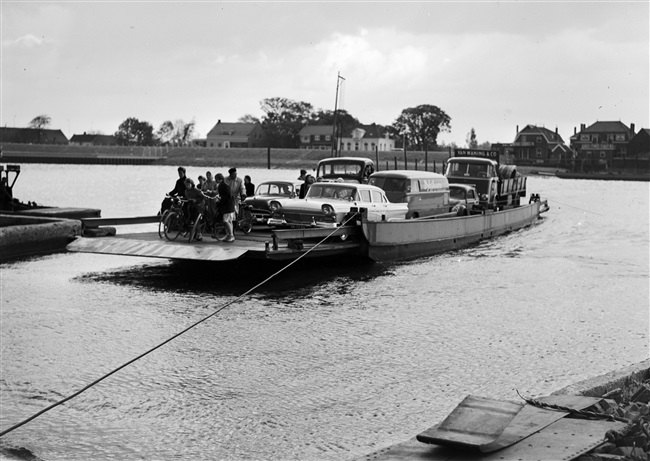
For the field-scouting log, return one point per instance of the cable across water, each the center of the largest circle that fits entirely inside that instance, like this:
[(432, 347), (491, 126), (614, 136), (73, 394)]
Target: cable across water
[(219, 309)]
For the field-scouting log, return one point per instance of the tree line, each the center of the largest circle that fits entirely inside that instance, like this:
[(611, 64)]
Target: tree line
[(416, 127)]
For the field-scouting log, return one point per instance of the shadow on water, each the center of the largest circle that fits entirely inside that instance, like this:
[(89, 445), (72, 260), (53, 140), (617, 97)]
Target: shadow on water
[(205, 277)]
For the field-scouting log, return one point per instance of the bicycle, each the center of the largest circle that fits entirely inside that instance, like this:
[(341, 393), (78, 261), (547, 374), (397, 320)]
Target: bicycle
[(208, 222), (175, 222), (244, 219)]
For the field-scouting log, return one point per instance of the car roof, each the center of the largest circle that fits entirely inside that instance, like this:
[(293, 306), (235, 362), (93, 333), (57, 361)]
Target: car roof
[(346, 160), (474, 160), (348, 185), (280, 181), (461, 186), (407, 174)]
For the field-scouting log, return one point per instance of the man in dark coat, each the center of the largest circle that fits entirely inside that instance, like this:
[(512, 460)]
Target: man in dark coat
[(226, 207)]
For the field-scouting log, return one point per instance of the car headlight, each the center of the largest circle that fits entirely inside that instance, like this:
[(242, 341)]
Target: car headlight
[(274, 206), (327, 210)]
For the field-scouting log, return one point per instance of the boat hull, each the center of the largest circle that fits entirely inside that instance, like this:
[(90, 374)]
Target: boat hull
[(404, 239)]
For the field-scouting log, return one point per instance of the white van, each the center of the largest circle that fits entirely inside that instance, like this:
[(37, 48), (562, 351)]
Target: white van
[(426, 193)]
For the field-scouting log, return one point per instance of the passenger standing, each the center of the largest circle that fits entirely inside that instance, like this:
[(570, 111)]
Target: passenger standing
[(201, 184), (210, 189), (303, 175), (304, 187), (250, 187), (226, 207), (178, 191), (210, 183), (237, 189), (179, 188)]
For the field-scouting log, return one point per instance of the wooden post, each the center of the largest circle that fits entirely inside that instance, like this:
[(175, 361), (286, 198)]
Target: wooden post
[(377, 157), (426, 158), (395, 162), (268, 158)]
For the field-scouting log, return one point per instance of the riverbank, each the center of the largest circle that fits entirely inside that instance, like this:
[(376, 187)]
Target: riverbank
[(627, 391)]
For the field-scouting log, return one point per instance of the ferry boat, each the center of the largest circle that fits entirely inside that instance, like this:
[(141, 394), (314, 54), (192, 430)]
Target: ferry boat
[(362, 233)]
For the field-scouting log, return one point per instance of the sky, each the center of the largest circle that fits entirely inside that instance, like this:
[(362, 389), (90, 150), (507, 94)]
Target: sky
[(491, 66)]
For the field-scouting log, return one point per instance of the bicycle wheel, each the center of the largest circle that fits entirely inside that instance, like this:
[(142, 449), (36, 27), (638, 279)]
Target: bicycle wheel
[(173, 226), (198, 228), (161, 227), (245, 222), (219, 232)]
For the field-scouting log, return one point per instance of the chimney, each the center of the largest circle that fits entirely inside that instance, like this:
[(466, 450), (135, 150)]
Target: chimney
[(575, 130), (632, 128), (218, 121), (517, 130), (555, 131), (582, 127)]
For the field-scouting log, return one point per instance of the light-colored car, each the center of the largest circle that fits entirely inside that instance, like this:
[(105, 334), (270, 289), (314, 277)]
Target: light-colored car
[(326, 205), (267, 192)]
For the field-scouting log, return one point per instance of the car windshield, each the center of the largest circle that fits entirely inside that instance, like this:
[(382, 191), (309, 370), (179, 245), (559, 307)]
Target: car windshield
[(333, 169), (272, 188), (330, 191), (456, 193)]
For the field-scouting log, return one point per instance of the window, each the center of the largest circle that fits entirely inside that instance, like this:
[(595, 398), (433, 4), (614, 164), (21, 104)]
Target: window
[(328, 138), (620, 137), (584, 137), (376, 196), (539, 139), (305, 139), (365, 195), (316, 137), (538, 153), (603, 154)]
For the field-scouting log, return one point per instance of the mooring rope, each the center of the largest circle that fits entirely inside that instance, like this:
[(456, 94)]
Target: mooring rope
[(222, 307), (574, 207)]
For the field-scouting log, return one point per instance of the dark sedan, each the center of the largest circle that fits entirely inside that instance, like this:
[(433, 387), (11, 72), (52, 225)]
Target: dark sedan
[(268, 191)]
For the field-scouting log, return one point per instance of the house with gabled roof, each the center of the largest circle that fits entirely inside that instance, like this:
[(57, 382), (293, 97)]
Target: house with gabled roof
[(639, 146), (538, 144), (93, 140), (601, 142), (367, 138), (230, 135), (319, 137), (32, 136)]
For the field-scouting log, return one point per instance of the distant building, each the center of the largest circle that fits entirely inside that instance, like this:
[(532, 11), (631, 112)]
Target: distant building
[(319, 137), (639, 146), (601, 142), (231, 135), (93, 140), (538, 145), (366, 138), (32, 136)]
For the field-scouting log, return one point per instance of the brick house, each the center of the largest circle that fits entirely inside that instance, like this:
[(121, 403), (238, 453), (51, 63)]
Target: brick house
[(537, 145), (93, 140), (317, 137), (32, 136), (601, 142), (231, 135), (639, 146)]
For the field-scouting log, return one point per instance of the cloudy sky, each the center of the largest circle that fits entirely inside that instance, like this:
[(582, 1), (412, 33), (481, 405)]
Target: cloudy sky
[(489, 65)]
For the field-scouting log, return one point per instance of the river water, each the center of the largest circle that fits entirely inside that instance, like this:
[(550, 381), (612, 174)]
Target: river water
[(321, 363)]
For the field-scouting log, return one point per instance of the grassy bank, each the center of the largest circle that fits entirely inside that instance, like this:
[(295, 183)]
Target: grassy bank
[(294, 158)]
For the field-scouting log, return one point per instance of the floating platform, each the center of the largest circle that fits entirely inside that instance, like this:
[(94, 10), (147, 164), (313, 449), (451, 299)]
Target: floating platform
[(260, 245)]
